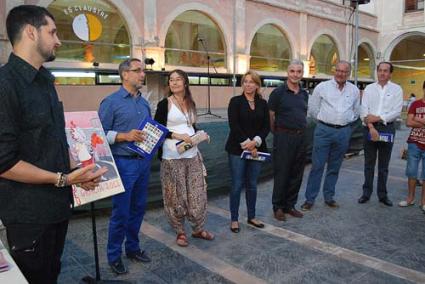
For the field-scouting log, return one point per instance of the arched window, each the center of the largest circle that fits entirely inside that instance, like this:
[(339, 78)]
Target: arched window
[(408, 58), (366, 62), (270, 50), (188, 38), (323, 56), (90, 31)]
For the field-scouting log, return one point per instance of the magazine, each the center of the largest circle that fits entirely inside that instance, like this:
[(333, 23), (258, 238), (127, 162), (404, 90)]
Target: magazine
[(88, 145), (4, 265), (155, 135), (261, 156), (383, 137), (196, 138)]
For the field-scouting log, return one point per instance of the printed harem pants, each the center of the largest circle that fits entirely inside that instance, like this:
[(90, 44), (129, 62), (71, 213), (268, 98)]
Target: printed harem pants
[(184, 192)]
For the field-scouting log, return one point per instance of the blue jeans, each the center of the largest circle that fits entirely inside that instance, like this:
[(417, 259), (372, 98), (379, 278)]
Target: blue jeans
[(244, 176), (128, 208), (329, 147), (415, 155)]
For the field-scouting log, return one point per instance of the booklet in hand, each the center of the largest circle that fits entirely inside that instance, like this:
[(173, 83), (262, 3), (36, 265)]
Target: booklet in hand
[(383, 137), (155, 135), (261, 156), (196, 138)]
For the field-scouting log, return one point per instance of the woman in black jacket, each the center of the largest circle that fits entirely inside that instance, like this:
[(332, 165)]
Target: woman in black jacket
[(249, 126)]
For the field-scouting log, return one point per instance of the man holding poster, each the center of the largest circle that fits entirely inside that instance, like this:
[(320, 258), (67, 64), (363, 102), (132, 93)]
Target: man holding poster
[(121, 113), (35, 174)]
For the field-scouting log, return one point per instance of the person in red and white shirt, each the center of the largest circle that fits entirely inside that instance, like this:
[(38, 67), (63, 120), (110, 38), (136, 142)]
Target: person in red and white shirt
[(415, 151)]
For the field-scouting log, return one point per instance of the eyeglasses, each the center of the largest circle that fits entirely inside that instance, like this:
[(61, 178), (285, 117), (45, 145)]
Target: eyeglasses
[(137, 70)]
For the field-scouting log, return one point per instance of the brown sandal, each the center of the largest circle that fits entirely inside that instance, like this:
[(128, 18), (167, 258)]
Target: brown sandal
[(182, 240), (205, 235)]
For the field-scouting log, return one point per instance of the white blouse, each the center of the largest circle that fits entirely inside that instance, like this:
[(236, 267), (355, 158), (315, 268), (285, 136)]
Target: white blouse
[(177, 122)]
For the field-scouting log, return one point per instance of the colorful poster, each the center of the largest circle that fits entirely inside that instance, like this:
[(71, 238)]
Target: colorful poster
[(88, 145)]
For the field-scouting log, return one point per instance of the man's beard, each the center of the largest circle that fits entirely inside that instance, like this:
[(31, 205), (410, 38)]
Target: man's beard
[(48, 55)]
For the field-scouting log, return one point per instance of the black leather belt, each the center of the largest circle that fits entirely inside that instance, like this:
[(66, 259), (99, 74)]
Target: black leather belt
[(334, 125), (128, 157)]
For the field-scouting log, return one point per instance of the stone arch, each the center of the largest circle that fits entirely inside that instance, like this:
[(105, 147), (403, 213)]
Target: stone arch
[(281, 26), (372, 51), (397, 40), (208, 11)]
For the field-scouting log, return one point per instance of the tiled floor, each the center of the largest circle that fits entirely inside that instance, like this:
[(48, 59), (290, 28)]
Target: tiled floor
[(368, 243)]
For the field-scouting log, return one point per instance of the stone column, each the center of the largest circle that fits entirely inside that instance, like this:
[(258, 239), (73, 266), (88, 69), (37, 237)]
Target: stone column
[(239, 47), (150, 41)]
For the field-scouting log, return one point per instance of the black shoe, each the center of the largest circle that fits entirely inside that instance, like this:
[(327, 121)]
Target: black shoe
[(332, 204), (235, 229), (139, 256), (118, 267), (386, 201), (257, 223), (363, 199)]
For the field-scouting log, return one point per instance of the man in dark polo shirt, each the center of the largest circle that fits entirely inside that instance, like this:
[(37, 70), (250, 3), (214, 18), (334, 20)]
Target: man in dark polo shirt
[(288, 111), (35, 192)]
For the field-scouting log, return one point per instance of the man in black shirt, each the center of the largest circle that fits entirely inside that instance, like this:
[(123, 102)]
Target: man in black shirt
[(35, 192), (288, 112)]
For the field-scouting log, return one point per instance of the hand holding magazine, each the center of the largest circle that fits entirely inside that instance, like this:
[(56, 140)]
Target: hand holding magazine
[(261, 156), (196, 138)]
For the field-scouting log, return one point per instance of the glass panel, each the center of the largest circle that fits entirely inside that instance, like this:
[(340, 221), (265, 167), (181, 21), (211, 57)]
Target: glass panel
[(189, 35), (108, 79), (414, 5), (193, 80), (410, 5), (74, 78), (366, 62), (270, 50), (90, 31), (203, 80), (220, 81), (272, 82), (323, 56)]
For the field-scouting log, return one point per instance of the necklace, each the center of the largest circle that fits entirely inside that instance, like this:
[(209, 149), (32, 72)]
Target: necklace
[(250, 100), (251, 103), (186, 116)]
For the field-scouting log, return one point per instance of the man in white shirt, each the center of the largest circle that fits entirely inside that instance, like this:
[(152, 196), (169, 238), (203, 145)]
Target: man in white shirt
[(381, 105), (335, 106)]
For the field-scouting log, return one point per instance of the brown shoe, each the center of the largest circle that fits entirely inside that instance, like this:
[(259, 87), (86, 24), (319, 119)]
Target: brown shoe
[(332, 204), (279, 215), (306, 206), (295, 213)]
